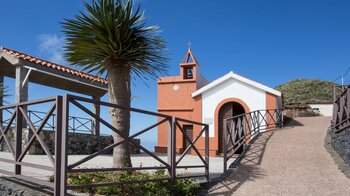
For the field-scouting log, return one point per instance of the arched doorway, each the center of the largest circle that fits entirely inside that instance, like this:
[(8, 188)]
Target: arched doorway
[(228, 110)]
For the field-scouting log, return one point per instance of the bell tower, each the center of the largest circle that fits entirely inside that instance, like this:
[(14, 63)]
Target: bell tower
[(189, 67), (175, 99)]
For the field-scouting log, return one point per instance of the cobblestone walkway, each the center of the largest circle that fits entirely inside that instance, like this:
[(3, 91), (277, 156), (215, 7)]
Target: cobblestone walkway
[(292, 161)]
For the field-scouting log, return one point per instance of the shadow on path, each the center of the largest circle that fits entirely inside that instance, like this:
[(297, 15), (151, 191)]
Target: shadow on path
[(292, 122), (244, 168)]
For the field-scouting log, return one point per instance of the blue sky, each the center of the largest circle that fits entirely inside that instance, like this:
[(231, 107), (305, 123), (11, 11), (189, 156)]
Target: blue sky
[(270, 41)]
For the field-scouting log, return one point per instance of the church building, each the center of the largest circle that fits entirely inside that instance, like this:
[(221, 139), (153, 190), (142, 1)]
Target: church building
[(191, 96)]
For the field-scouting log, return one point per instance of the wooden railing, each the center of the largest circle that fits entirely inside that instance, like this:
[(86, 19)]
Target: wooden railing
[(18, 120), (76, 124), (341, 107), (60, 106), (240, 130)]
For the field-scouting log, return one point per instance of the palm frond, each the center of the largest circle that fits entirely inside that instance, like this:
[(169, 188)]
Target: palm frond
[(113, 33)]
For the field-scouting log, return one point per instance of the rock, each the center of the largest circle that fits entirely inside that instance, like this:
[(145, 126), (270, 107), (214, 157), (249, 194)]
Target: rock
[(341, 143), (9, 191)]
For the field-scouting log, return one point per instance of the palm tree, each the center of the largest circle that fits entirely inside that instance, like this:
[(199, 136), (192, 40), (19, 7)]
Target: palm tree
[(112, 38)]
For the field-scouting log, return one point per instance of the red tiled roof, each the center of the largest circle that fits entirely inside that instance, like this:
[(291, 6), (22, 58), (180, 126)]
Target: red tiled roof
[(52, 65)]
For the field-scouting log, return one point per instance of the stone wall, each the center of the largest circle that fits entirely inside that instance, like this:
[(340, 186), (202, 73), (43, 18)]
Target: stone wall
[(341, 143), (78, 143), (299, 112), (11, 135)]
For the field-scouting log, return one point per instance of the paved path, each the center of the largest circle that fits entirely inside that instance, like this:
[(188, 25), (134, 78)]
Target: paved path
[(292, 161)]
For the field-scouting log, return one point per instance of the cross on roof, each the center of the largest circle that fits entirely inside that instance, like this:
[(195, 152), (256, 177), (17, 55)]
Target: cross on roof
[(189, 58)]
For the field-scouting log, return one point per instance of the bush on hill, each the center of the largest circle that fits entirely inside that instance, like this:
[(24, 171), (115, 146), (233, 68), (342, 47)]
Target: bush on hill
[(298, 92)]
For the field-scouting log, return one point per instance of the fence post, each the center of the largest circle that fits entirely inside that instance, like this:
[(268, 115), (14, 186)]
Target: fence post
[(18, 141), (207, 151), (244, 124), (73, 119), (62, 108), (1, 98), (58, 146), (53, 121), (225, 145), (334, 92), (282, 121), (258, 121), (172, 149)]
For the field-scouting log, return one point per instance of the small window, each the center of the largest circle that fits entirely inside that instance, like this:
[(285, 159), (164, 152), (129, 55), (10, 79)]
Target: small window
[(188, 73)]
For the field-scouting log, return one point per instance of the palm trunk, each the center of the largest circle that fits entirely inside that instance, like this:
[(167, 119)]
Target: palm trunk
[(120, 93)]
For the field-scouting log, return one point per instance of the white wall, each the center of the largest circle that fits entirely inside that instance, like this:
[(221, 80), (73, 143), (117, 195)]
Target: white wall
[(231, 88), (325, 109)]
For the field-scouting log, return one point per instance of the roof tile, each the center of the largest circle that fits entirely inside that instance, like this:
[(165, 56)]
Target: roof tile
[(55, 66)]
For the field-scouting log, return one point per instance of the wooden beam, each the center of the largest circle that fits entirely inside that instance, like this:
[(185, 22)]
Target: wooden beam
[(21, 88), (97, 112)]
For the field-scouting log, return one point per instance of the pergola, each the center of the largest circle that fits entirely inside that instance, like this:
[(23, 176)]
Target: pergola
[(25, 68)]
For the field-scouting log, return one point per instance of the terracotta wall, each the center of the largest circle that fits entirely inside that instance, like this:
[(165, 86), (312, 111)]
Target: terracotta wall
[(178, 103), (271, 103)]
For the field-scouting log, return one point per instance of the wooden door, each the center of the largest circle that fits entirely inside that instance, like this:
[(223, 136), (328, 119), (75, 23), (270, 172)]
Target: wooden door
[(188, 129), (228, 110), (224, 113)]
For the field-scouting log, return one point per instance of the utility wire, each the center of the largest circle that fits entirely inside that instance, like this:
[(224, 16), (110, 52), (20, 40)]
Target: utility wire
[(343, 75), (347, 71), (337, 79)]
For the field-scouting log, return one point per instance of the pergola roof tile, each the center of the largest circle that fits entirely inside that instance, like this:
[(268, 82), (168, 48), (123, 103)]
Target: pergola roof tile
[(52, 65)]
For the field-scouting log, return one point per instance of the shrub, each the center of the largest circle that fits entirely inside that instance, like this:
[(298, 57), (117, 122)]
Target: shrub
[(299, 92), (181, 186)]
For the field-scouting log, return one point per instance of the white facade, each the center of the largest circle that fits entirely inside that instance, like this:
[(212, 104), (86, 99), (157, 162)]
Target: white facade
[(324, 109), (253, 97), (232, 85)]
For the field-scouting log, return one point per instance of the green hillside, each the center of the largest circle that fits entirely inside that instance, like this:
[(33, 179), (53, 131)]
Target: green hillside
[(300, 91)]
